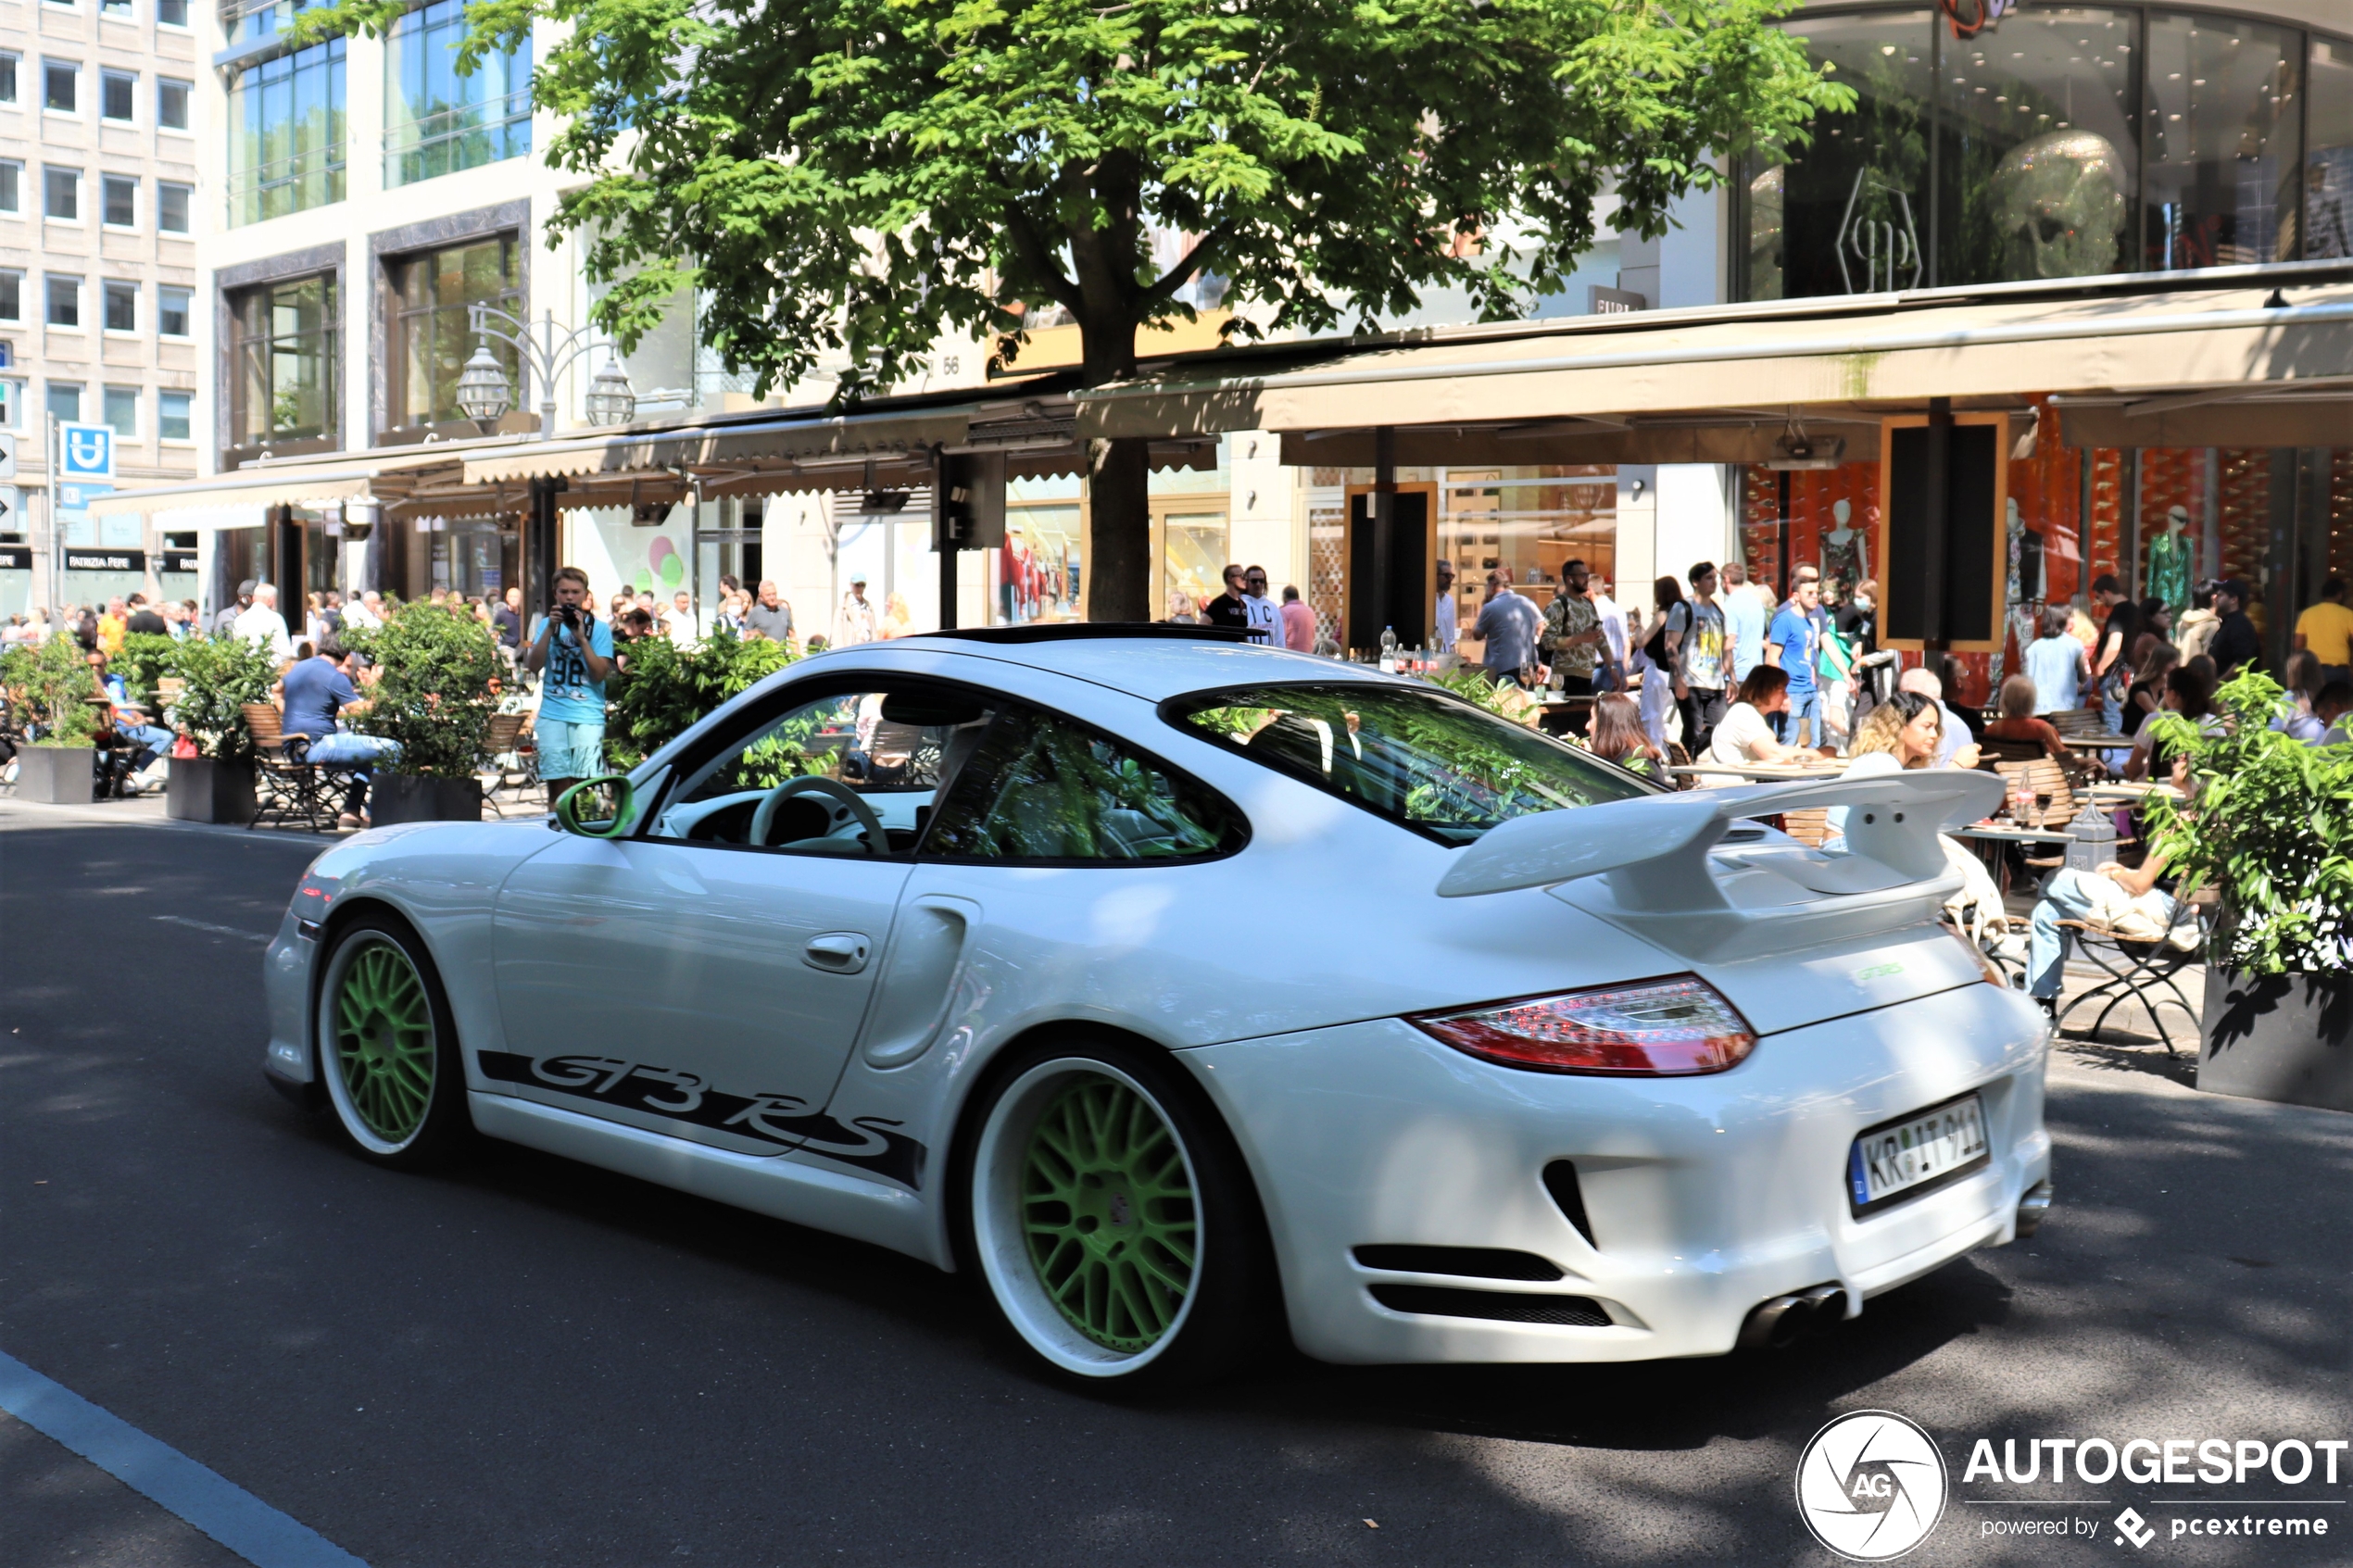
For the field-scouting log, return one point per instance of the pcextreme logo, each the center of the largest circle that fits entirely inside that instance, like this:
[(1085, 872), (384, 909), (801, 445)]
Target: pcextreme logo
[(1871, 1486)]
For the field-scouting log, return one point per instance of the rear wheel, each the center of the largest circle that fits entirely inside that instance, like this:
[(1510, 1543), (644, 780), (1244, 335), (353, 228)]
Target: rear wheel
[(387, 1050), (1111, 1217)]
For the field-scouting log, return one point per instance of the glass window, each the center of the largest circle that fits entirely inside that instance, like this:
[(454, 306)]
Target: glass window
[(171, 13), (1423, 760), (65, 300), (8, 77), (287, 134), (171, 415), (11, 403), (1849, 213), (171, 207), (433, 294), (171, 104), (173, 312), (2328, 162), (1041, 787), (2038, 156), (60, 86), (122, 307), (116, 89), (891, 749), (119, 198), (11, 297), (285, 362), (62, 194), (119, 9), (122, 411), (65, 401), (437, 122), (11, 180), (2223, 142)]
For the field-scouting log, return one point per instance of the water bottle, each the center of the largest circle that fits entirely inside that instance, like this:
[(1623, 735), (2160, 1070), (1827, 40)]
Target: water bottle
[(1388, 650)]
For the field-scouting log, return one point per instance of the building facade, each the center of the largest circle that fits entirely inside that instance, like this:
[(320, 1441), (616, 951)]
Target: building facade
[(99, 147)]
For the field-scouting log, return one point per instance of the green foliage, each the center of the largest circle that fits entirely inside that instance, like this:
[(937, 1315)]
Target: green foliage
[(53, 684), (432, 692), (145, 658), (847, 177), (2270, 826), (665, 689), (222, 673)]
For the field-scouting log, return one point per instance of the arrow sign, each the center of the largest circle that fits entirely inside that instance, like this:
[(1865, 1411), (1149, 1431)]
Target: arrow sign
[(8, 457), (11, 507)]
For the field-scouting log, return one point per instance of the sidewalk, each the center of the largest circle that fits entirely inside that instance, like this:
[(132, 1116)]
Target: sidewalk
[(145, 812)]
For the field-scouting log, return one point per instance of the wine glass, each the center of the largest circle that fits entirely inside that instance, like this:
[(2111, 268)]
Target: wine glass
[(2042, 808)]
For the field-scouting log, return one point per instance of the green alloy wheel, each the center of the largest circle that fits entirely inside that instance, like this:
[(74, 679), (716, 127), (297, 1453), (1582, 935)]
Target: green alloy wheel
[(385, 1040), (386, 1050), (1108, 1206)]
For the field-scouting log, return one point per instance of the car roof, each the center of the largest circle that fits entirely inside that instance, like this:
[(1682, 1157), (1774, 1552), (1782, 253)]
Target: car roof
[(1154, 665)]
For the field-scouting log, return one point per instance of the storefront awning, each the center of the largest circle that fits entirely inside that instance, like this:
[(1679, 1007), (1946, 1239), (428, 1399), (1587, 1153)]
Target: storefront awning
[(785, 442), (385, 476), (1709, 385)]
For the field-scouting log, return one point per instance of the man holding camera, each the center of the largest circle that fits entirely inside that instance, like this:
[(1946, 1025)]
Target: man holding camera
[(576, 649)]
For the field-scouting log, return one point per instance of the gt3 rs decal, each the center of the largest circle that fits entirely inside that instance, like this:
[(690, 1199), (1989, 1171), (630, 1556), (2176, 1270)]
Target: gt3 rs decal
[(869, 1143)]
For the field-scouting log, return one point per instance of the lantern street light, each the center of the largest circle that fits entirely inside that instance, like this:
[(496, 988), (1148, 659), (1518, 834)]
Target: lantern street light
[(483, 392)]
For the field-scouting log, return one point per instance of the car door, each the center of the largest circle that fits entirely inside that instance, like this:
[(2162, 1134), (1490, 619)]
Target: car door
[(691, 980)]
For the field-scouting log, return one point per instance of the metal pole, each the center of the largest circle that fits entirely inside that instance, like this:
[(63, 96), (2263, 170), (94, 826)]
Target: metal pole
[(1384, 529), (943, 534), (546, 375)]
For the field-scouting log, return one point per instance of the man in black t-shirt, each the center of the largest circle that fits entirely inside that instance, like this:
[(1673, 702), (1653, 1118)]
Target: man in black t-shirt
[(2111, 673), (143, 618), (1226, 608), (2235, 643)]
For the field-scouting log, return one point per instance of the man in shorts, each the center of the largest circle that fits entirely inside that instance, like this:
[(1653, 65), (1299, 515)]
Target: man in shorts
[(576, 649)]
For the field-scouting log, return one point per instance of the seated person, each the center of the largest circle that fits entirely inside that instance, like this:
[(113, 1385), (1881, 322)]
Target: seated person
[(1746, 732), (2018, 721), (1619, 736), (2333, 708), (150, 742), (2188, 692), (312, 691), (2073, 895)]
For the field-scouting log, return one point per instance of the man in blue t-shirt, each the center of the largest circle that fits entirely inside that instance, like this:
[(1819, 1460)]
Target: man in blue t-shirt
[(576, 649), (1793, 642)]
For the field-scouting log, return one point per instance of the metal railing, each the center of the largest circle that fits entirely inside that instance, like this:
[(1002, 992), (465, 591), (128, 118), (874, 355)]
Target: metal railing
[(460, 136)]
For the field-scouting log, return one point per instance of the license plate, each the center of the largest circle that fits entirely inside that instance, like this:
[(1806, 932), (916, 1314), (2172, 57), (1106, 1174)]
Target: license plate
[(1916, 1154)]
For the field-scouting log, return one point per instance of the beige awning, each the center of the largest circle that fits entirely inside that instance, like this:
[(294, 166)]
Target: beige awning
[(846, 442), (2265, 415), (385, 475), (1594, 379)]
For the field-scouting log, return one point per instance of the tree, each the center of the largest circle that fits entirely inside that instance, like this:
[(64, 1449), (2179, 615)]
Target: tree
[(851, 176)]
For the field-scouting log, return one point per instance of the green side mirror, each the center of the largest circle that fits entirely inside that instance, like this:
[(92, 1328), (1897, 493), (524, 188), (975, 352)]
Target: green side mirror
[(569, 804)]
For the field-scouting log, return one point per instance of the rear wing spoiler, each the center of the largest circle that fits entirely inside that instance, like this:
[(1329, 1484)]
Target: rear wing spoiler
[(1652, 852)]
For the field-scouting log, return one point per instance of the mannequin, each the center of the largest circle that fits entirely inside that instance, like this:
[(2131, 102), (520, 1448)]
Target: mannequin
[(1846, 558), (2169, 563)]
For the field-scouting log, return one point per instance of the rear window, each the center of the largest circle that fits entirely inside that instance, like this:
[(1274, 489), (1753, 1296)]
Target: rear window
[(1424, 759)]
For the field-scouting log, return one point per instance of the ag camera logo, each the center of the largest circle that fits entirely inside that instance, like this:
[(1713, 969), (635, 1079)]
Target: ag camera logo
[(1871, 1486)]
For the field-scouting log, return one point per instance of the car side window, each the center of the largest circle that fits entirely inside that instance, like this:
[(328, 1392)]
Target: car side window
[(1045, 789), (793, 779)]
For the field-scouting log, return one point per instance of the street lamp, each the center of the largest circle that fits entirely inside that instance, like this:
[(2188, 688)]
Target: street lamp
[(483, 392)]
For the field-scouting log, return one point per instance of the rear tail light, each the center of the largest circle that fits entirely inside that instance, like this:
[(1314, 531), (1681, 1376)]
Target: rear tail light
[(1653, 1029)]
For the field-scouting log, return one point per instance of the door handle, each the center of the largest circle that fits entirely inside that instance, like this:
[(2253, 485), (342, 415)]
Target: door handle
[(839, 952)]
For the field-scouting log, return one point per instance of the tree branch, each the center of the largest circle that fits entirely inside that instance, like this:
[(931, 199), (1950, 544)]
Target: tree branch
[(1189, 264)]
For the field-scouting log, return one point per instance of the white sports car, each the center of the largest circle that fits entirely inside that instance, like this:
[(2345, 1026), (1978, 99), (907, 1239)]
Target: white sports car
[(1179, 986)]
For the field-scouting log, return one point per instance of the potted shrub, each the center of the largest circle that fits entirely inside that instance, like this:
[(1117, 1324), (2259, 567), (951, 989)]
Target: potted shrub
[(662, 690), (431, 695), (2270, 827), (219, 676), (50, 685)]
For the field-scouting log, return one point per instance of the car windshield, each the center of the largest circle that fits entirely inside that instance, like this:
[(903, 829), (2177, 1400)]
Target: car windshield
[(1423, 760)]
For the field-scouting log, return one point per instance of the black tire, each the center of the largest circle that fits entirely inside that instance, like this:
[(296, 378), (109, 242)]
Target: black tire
[(1114, 1228), (394, 1082)]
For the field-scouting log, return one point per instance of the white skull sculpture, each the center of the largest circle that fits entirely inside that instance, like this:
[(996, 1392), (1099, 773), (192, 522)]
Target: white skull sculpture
[(2058, 201)]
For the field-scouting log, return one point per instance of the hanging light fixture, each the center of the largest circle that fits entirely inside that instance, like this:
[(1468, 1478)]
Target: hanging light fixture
[(610, 400), (483, 392)]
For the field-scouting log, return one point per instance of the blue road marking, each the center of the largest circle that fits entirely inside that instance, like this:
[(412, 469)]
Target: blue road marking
[(221, 1509)]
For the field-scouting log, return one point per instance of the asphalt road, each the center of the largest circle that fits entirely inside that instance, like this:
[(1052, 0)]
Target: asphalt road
[(534, 1362)]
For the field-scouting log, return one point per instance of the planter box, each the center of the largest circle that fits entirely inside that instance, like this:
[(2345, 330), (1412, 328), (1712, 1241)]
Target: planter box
[(405, 797), (205, 789), (57, 775), (2288, 1039)]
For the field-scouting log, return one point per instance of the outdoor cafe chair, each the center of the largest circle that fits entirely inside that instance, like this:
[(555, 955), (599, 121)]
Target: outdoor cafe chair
[(2141, 968), (287, 787)]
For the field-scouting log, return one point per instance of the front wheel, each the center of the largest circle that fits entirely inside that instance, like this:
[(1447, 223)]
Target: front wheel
[(1112, 1219), (387, 1049)]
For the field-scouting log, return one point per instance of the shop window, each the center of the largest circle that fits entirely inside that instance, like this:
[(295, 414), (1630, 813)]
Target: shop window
[(437, 122), (1849, 214), (286, 133), (432, 339), (285, 363), (2223, 142), (173, 420), (122, 307), (174, 311), (116, 90), (2328, 162)]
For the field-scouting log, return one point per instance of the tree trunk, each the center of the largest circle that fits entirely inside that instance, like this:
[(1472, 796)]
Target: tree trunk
[(1118, 562)]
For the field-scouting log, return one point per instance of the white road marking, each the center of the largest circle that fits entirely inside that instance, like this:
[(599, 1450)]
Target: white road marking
[(207, 925)]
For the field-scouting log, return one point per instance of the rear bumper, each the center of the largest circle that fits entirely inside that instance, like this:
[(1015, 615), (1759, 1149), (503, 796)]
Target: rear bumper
[(1704, 1196)]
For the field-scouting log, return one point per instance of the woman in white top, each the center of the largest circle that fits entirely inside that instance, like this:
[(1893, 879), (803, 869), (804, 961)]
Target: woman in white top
[(1746, 732), (1900, 734)]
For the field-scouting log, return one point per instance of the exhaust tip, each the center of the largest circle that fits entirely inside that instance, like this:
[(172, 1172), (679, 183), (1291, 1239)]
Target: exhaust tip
[(1779, 1321), (2031, 1208)]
